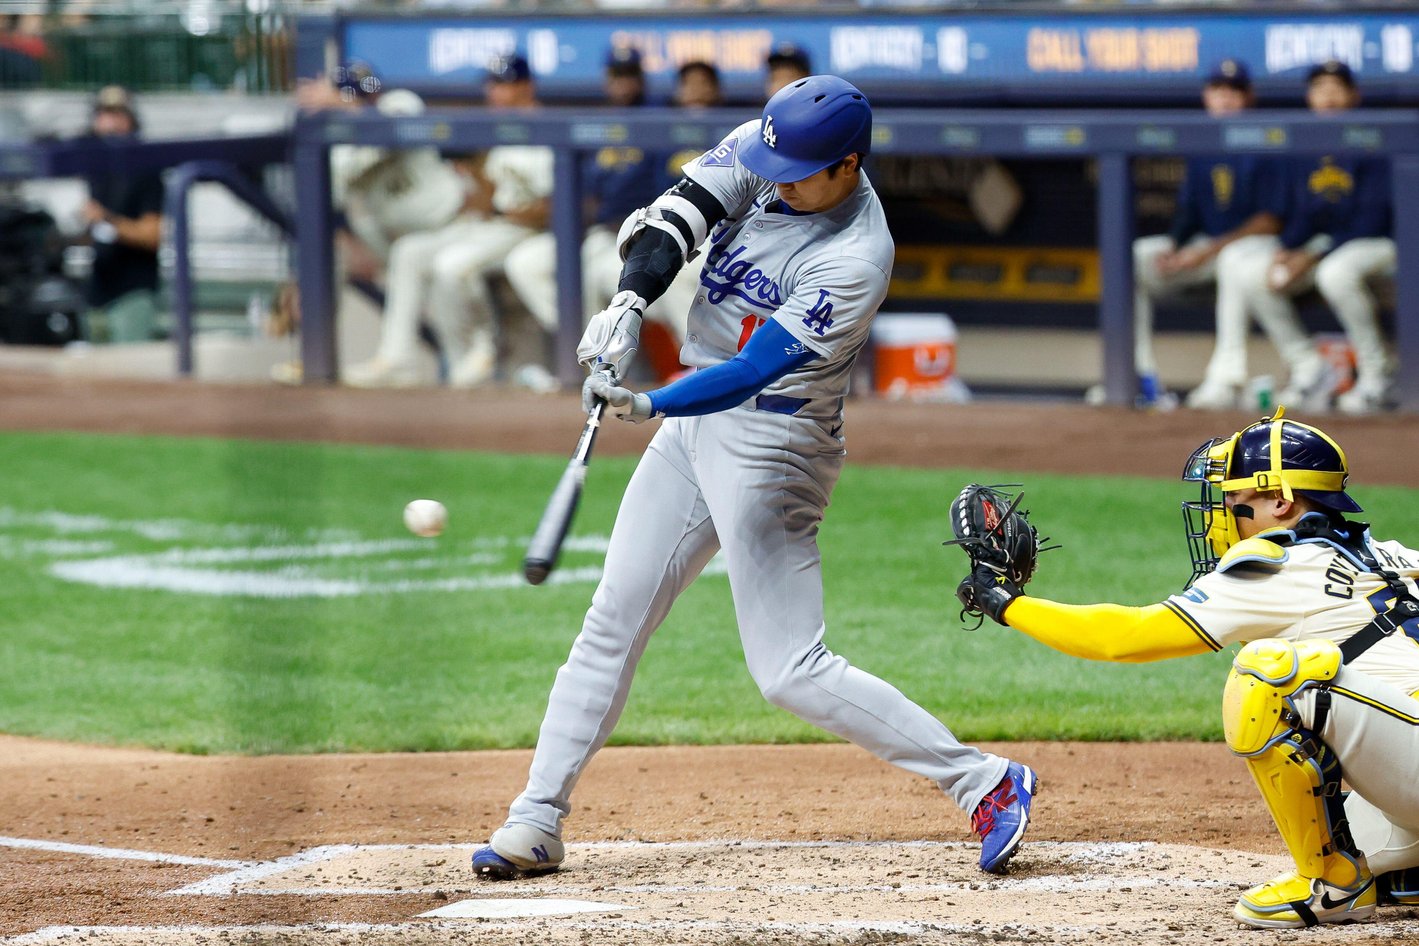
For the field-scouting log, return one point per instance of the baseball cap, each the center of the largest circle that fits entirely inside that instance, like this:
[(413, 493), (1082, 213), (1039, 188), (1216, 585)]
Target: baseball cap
[(356, 80), (115, 98), (509, 68), (624, 61), (1331, 67), (789, 54), (1230, 72)]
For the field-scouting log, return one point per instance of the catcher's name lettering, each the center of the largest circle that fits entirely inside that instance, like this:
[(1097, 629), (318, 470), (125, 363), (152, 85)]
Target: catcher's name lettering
[(1341, 574), (1392, 561)]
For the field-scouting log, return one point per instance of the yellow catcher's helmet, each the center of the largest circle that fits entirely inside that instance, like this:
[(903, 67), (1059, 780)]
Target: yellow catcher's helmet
[(1272, 455)]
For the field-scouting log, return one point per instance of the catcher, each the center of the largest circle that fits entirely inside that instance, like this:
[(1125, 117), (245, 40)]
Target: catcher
[(1325, 683)]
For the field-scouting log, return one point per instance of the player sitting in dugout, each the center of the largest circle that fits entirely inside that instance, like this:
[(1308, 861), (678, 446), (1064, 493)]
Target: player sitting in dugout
[(1325, 683)]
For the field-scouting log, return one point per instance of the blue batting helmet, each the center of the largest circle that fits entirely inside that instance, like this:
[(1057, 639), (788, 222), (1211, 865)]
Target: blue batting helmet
[(809, 125)]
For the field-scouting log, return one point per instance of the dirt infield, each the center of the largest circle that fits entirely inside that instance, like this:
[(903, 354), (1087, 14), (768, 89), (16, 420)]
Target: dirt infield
[(1082, 876), (1044, 436), (748, 845)]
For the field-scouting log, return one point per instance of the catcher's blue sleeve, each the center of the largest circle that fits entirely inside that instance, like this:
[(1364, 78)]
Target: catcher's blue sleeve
[(770, 354)]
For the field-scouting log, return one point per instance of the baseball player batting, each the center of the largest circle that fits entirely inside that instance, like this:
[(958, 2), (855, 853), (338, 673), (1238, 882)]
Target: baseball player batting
[(796, 266), (1325, 685)]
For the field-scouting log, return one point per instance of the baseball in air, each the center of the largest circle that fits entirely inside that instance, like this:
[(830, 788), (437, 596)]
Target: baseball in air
[(425, 517)]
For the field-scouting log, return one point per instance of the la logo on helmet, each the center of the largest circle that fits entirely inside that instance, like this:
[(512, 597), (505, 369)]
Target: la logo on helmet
[(770, 136)]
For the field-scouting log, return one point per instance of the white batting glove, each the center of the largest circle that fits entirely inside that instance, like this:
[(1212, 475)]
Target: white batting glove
[(624, 403), (613, 334)]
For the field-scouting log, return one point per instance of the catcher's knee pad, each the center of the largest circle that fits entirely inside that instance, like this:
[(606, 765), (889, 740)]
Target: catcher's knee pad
[(1258, 704), (1298, 775)]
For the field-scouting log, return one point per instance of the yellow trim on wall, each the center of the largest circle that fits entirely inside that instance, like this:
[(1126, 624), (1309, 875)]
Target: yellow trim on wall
[(1021, 274)]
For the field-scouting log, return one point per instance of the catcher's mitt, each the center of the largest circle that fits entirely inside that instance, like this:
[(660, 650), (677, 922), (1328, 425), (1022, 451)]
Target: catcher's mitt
[(995, 532)]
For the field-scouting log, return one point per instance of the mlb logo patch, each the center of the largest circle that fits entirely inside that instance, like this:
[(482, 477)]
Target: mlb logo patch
[(721, 157)]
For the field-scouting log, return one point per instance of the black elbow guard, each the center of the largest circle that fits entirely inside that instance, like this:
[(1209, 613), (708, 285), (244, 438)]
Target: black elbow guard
[(651, 265)]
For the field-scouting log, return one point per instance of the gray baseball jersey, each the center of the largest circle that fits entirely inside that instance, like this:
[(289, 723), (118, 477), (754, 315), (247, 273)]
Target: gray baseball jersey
[(820, 276), (750, 482)]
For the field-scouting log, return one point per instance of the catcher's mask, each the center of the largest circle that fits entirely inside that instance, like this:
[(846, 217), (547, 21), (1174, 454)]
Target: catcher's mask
[(1272, 455)]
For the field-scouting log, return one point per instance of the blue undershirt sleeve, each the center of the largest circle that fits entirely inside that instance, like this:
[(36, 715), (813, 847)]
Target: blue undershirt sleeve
[(770, 354)]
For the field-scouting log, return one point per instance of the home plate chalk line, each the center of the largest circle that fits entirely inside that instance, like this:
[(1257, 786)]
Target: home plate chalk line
[(775, 892)]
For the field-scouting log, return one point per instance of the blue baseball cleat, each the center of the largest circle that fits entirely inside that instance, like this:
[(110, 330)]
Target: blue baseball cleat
[(488, 864), (527, 852), (1003, 815)]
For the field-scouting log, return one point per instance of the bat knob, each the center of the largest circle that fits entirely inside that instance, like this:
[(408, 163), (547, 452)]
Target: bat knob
[(536, 570)]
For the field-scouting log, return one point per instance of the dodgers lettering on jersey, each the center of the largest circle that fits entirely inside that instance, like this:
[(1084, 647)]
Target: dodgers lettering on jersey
[(728, 273), (820, 276), (1317, 593)]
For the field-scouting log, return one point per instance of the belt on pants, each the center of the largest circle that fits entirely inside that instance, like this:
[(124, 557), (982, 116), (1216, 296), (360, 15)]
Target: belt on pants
[(779, 403)]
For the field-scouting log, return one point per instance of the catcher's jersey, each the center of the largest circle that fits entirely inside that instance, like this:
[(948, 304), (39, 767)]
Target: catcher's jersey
[(402, 190), (1316, 593), (820, 276), (520, 174)]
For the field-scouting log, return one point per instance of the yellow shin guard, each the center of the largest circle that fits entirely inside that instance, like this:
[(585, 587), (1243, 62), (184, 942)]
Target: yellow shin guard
[(1299, 779)]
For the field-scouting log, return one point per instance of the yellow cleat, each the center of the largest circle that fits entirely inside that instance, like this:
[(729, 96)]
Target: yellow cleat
[(1292, 902)]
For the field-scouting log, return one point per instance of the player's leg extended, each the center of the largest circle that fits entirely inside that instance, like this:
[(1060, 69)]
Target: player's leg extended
[(460, 303), (1307, 383), (767, 478), (662, 539), (531, 270), (1147, 282), (407, 281), (1237, 266), (600, 269), (1343, 278), (1299, 778)]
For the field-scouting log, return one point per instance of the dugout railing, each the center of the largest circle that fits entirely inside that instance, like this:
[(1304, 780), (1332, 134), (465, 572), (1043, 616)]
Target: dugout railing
[(1111, 138), (234, 161)]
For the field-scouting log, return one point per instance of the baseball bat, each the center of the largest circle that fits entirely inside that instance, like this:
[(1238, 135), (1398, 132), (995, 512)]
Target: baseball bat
[(546, 542)]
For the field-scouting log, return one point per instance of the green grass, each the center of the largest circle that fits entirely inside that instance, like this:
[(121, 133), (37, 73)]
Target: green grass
[(470, 667)]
